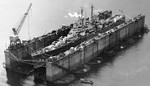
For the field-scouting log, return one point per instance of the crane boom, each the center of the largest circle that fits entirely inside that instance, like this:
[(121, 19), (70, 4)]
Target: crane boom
[(17, 30), (15, 39)]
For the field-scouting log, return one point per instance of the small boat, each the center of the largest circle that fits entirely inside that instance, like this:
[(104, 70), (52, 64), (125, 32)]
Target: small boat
[(95, 62), (86, 81), (83, 69)]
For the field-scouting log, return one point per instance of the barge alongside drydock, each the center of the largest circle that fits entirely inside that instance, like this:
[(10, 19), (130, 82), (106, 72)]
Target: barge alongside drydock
[(54, 55)]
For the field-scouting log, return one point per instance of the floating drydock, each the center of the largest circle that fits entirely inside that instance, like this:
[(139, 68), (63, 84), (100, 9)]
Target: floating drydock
[(55, 54), (90, 49)]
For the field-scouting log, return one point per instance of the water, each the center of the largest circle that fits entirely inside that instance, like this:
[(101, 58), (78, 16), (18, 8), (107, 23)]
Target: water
[(130, 68)]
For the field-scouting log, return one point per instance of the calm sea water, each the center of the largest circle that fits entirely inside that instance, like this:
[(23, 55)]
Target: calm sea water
[(130, 68)]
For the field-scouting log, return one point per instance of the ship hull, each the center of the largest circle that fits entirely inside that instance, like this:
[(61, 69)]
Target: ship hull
[(79, 40)]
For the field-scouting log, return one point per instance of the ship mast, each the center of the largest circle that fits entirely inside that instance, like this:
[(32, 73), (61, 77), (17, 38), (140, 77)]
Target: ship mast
[(82, 19), (91, 12)]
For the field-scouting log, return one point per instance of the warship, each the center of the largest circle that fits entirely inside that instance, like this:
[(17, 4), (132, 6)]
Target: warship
[(60, 52)]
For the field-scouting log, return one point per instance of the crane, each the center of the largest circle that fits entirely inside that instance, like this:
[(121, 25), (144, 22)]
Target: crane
[(15, 39)]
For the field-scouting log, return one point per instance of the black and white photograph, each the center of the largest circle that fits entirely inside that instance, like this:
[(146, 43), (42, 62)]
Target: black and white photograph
[(74, 43)]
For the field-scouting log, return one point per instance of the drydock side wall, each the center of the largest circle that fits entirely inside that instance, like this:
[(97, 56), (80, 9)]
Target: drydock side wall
[(103, 43), (7, 59), (112, 39), (56, 70), (11, 60), (76, 59)]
